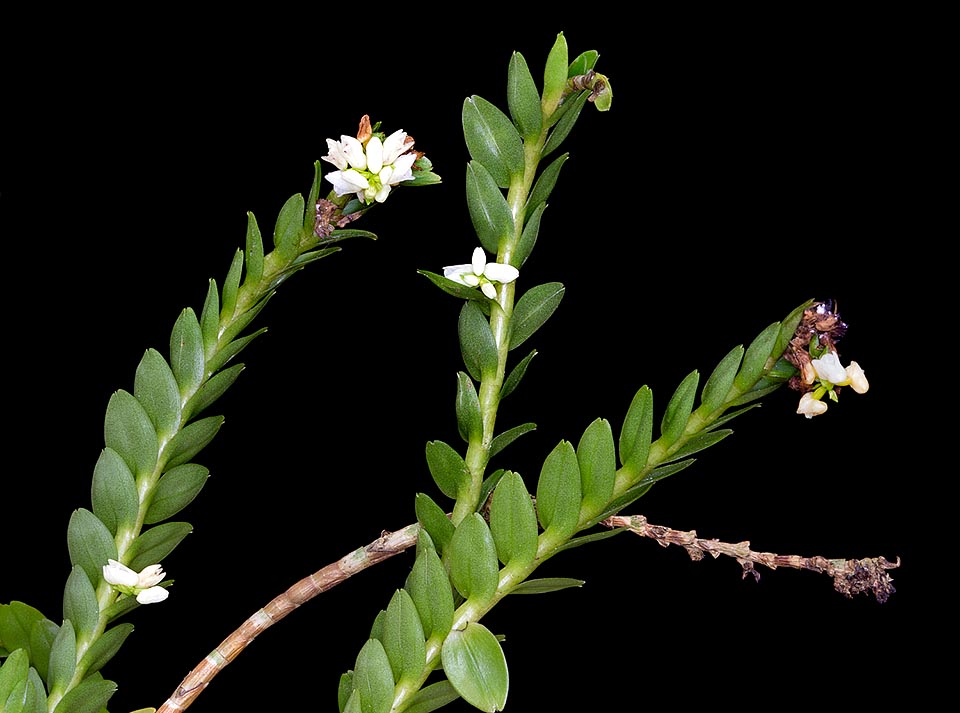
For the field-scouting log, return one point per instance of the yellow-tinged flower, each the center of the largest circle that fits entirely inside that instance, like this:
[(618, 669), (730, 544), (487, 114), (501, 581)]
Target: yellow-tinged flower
[(810, 406)]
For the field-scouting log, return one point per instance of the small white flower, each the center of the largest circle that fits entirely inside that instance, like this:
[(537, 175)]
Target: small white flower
[(856, 378), (142, 585), (828, 368), (372, 168), (480, 273), (810, 406)]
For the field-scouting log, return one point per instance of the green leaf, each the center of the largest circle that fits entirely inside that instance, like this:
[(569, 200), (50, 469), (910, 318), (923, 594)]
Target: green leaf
[(447, 467), (211, 390), (473, 560), (310, 210), (16, 622), (42, 635), (729, 416), (455, 288), (186, 352), (546, 182), (516, 375), (596, 456), (344, 690), (210, 319), (114, 492), (477, 345), (788, 328), (634, 442), (80, 604), (489, 210), (469, 419), (13, 677), (700, 442), (633, 493), (175, 490), (756, 357), (558, 492), (523, 99), (403, 638), (105, 648), (253, 252), (546, 585), (156, 543), (287, 230), (89, 697), (584, 62), (156, 389), (434, 520), (492, 140), (430, 591), (191, 440), (533, 309), (489, 483), (36, 700), (373, 678), (239, 323), (127, 429), (476, 667), (678, 410), (509, 436), (759, 390), (231, 287), (720, 382), (555, 76), (225, 355), (665, 470), (565, 125), (513, 522), (63, 658), (432, 697), (528, 238), (596, 536), (90, 544)]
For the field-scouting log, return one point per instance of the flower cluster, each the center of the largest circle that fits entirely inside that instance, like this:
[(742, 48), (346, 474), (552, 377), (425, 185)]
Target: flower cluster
[(822, 376), (370, 164), (143, 586), (482, 274)]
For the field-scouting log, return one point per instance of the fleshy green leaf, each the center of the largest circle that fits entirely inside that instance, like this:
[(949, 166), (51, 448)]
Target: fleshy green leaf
[(477, 345), (210, 319), (720, 382), (555, 76), (186, 352), (432, 697), (344, 690), (127, 429), (191, 440), (595, 536), (558, 492), (114, 492), (430, 590), (546, 585), (456, 289), (469, 420), (678, 410), (89, 697), (523, 99), (665, 470), (225, 355), (514, 377), (42, 635), (16, 622), (489, 211), (637, 431), (504, 439), (236, 326), (489, 483), (211, 390), (447, 467), (473, 560), (231, 286), (546, 182), (63, 658), (80, 604), (90, 544), (565, 125), (533, 309), (175, 490), (156, 389), (287, 230), (434, 520), (403, 638), (13, 677), (253, 252), (492, 139), (105, 648), (584, 62), (528, 238), (373, 678), (756, 357), (156, 543), (476, 667), (699, 442), (513, 521), (596, 456)]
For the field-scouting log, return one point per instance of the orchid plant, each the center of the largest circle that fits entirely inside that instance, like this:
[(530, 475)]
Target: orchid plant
[(480, 536)]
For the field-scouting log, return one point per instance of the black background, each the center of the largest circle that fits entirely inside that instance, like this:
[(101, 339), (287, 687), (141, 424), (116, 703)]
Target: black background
[(744, 167)]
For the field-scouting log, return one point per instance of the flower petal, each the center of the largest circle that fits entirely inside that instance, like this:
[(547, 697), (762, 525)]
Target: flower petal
[(810, 406), (116, 573), (394, 145), (151, 575), (354, 152), (374, 154), (335, 154), (478, 261), (403, 168), (152, 595), (856, 377), (828, 368), (500, 272), (489, 290)]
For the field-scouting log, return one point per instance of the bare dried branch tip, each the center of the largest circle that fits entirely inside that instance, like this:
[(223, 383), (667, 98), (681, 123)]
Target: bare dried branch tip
[(850, 577)]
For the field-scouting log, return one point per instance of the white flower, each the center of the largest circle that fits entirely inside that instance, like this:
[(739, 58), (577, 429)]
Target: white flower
[(828, 368), (810, 406), (372, 168), (856, 378), (480, 273), (142, 585)]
